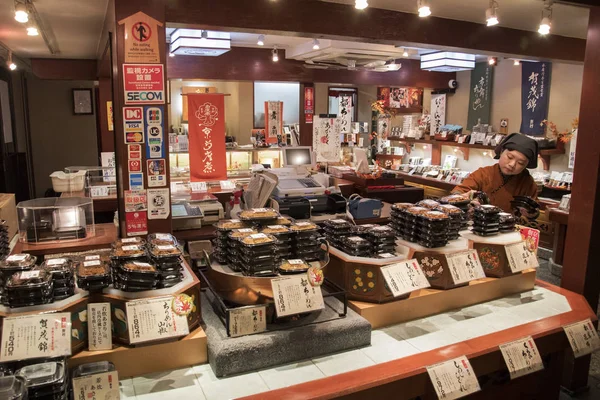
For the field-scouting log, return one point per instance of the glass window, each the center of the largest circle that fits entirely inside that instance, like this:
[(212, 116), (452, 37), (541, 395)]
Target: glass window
[(289, 93)]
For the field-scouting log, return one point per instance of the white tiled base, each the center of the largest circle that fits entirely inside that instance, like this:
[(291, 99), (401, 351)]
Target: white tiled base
[(395, 342)]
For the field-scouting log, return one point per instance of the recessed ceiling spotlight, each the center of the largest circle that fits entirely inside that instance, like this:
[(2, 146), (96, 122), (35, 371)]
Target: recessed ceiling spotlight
[(491, 14), (492, 60), (361, 4), (546, 22), (423, 7), (274, 53), (261, 40), (11, 65), (316, 44), (171, 54), (32, 30), (517, 62), (404, 53), (21, 14)]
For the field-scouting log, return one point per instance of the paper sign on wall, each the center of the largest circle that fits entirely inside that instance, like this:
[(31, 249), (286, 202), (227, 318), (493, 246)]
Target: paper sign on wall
[(133, 124), (136, 181), (144, 83), (404, 277), (34, 336), (103, 386), (99, 326), (159, 206), (465, 266), (154, 123), (520, 257), (141, 38), (295, 295), (135, 200), (136, 223), (247, 320), (583, 337), (453, 379), (522, 357), (134, 152), (156, 173), (154, 319)]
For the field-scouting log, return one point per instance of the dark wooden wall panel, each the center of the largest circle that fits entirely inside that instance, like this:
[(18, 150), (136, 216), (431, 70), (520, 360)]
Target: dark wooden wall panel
[(74, 70)]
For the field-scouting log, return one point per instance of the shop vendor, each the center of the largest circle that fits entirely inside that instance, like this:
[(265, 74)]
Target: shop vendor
[(508, 178)]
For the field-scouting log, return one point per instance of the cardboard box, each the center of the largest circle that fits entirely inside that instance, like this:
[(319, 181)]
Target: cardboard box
[(8, 212)]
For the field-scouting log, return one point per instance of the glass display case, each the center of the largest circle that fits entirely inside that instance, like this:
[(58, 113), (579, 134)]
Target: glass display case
[(99, 182), (55, 218)]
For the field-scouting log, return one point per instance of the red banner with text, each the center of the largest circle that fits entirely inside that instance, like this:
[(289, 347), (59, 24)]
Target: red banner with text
[(206, 114)]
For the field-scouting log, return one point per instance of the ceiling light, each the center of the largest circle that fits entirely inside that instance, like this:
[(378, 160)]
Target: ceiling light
[(447, 61), (195, 42), (11, 65), (517, 62), (492, 60), (171, 54), (546, 22), (491, 14), (424, 10), (316, 44), (32, 30), (361, 4), (21, 14), (275, 55), (261, 40)]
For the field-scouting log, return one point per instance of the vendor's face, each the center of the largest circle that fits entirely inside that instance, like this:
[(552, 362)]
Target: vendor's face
[(512, 162)]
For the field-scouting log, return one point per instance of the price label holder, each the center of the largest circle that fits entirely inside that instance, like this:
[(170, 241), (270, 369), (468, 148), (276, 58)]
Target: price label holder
[(247, 320), (36, 336), (154, 319), (104, 386), (295, 295), (522, 357), (583, 337), (199, 187), (99, 326), (465, 266), (227, 185), (453, 379), (520, 257), (404, 277), (99, 191)]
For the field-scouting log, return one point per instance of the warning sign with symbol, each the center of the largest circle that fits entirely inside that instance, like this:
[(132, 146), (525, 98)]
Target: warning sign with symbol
[(141, 38)]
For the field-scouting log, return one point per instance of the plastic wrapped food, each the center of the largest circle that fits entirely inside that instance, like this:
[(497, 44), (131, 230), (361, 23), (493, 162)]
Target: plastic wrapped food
[(13, 387), (241, 233), (283, 221), (130, 251), (337, 225), (92, 368), (26, 280), (258, 239), (304, 227), (486, 209), (258, 214), (59, 268), (228, 224), (129, 241), (165, 251), (506, 218), (416, 211), (293, 266), (456, 199), (93, 270), (427, 203), (48, 375), (18, 261), (401, 207), (162, 239), (450, 210)]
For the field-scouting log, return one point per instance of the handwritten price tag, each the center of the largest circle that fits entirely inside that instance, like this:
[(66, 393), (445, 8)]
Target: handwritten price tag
[(583, 337), (465, 266), (404, 277), (199, 187), (453, 379), (103, 386), (522, 357), (154, 319), (520, 257), (99, 191), (247, 320), (295, 295), (99, 326)]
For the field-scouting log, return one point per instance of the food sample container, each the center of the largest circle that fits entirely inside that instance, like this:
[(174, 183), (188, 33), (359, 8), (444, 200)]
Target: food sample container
[(259, 214), (45, 380), (456, 200), (304, 229), (140, 271), (15, 263), (93, 275), (162, 239), (412, 213), (241, 233), (229, 224), (427, 203), (59, 268), (13, 388), (280, 232), (28, 288), (128, 252), (293, 266)]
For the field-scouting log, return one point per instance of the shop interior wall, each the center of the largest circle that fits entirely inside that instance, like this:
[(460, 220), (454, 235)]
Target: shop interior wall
[(565, 94), (58, 137)]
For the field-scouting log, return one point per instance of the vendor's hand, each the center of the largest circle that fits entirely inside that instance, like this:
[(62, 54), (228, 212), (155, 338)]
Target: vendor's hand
[(474, 200)]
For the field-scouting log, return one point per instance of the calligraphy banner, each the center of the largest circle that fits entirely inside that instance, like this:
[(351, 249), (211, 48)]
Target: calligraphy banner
[(535, 93), (207, 137), (480, 99), (438, 112), (326, 139), (273, 121), (345, 115)]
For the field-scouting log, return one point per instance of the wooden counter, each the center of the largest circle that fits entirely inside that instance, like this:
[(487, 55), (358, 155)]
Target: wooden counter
[(105, 235), (407, 378)]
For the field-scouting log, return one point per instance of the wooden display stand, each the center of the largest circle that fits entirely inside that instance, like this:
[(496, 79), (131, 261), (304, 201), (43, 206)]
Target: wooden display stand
[(492, 252), (425, 302)]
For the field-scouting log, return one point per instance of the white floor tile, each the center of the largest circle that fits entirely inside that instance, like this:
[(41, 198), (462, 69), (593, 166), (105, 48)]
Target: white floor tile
[(291, 374), (433, 341), (127, 392), (166, 384), (379, 337), (230, 387), (502, 320), (412, 329), (389, 351), (470, 329), (184, 393), (535, 312), (343, 362), (163, 375)]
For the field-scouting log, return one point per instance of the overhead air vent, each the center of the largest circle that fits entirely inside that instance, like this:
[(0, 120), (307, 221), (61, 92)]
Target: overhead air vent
[(445, 61), (195, 42)]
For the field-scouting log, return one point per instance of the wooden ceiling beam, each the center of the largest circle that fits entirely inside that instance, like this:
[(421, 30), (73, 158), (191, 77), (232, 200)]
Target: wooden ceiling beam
[(313, 18)]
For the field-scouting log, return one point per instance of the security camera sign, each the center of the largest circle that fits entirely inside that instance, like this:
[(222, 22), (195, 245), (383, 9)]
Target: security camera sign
[(144, 83)]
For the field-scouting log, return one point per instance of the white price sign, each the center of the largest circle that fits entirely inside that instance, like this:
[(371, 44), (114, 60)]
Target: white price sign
[(247, 320), (520, 257), (99, 326), (404, 277), (99, 191), (227, 185), (104, 386), (33, 336), (522, 357), (453, 379), (583, 337), (465, 266), (295, 295), (198, 187), (154, 319)]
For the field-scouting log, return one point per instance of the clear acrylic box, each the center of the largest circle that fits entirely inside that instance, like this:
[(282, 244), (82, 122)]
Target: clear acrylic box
[(100, 182), (55, 219)]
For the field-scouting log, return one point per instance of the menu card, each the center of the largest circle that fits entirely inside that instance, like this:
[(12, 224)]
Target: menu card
[(103, 386), (465, 266), (520, 257), (154, 319), (522, 357), (295, 295), (453, 379), (247, 320), (583, 337), (99, 326), (404, 277)]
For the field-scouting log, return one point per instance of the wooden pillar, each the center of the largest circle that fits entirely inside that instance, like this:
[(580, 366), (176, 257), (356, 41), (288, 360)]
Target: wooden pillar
[(154, 28), (582, 253), (306, 129)]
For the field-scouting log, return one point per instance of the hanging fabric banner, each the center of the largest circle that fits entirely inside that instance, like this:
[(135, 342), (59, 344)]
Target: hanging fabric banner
[(326, 139), (309, 104), (535, 93), (345, 114), (480, 99), (273, 121), (438, 112), (207, 137)]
